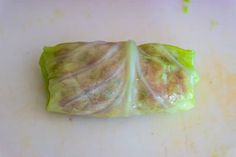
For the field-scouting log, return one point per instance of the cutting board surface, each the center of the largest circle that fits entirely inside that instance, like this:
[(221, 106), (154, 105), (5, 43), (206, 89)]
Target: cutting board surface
[(27, 130)]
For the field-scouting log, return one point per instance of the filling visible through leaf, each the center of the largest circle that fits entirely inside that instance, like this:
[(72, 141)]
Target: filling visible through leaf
[(117, 79)]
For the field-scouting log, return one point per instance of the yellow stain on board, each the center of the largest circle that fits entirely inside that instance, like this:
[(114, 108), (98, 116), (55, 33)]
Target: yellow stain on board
[(223, 83), (219, 82), (220, 151), (214, 24), (215, 154), (58, 13)]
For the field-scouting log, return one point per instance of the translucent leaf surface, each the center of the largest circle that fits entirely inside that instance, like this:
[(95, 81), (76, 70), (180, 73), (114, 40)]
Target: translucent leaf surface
[(108, 79)]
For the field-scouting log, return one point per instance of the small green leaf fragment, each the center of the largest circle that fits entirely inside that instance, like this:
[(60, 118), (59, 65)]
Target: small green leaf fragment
[(185, 9), (185, 6), (186, 1)]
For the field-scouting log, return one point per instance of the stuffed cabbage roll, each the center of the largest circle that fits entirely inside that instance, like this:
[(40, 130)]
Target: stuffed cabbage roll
[(117, 79)]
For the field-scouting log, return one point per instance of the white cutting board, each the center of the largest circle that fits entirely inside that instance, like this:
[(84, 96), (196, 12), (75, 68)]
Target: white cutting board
[(26, 130)]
